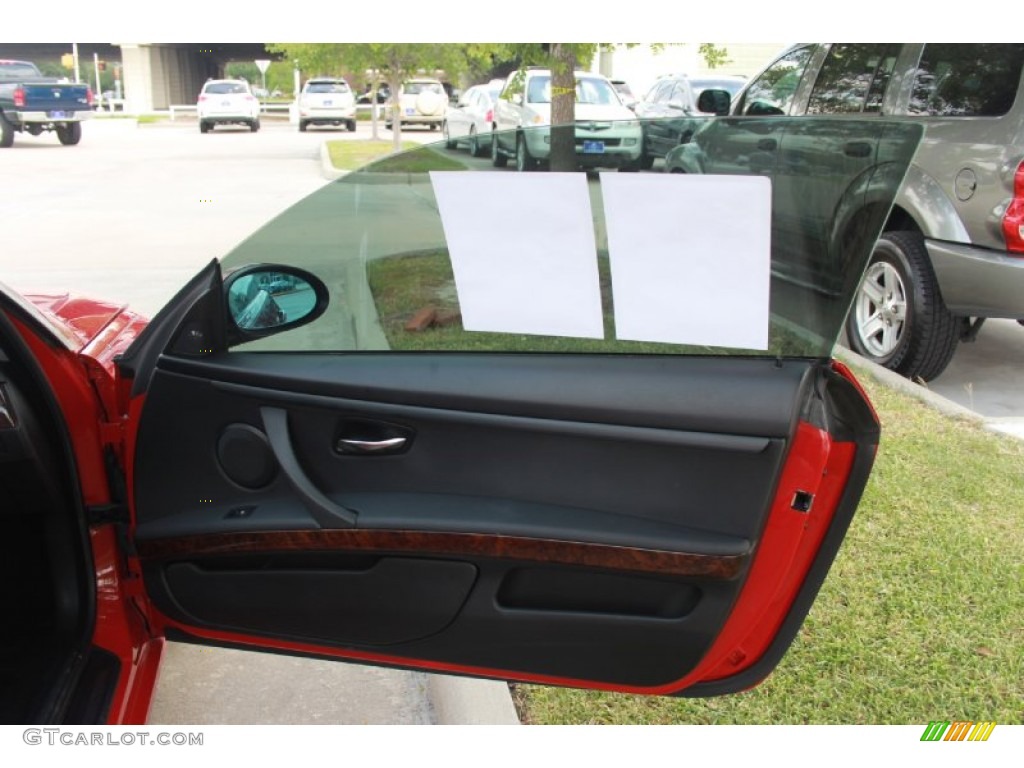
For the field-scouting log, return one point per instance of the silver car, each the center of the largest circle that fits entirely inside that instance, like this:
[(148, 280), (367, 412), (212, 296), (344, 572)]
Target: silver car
[(952, 250)]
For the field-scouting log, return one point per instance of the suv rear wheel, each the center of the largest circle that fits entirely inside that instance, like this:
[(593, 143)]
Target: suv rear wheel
[(498, 160), (523, 160), (898, 318)]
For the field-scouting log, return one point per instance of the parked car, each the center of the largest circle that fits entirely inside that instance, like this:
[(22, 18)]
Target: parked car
[(227, 102), (951, 252), (471, 118), (667, 112), (607, 133), (421, 101), (327, 101), (602, 508), (383, 95), (32, 104)]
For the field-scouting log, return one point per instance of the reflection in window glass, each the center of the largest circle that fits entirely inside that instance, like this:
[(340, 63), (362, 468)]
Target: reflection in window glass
[(853, 78), (380, 243), (772, 92), (967, 80)]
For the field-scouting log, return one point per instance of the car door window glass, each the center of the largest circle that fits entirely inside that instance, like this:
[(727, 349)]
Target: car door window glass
[(379, 239), (852, 79), (967, 79), (773, 90)]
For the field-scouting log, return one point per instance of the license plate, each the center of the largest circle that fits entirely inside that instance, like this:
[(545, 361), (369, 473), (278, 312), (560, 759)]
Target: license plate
[(327, 102), (410, 111), (593, 147), (225, 103), (57, 114)]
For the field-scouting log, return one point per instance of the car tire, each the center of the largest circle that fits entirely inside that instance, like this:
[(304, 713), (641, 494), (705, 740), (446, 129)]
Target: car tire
[(6, 133), (524, 162), (351, 125), (474, 143), (498, 160), (646, 161), (387, 125), (204, 127), (254, 125), (69, 134), (448, 143), (898, 318), (303, 125)]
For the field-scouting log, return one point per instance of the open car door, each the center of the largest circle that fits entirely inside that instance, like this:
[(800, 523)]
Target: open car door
[(380, 446)]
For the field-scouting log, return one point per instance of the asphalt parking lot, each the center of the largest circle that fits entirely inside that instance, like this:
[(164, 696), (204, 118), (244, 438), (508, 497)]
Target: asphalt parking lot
[(133, 212)]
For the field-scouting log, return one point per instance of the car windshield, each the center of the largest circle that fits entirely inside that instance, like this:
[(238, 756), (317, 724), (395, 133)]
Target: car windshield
[(327, 88), (225, 88), (589, 90), (417, 88), (756, 250)]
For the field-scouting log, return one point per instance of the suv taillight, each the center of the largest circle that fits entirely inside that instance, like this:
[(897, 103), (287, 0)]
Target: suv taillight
[(88, 96), (489, 117), (19, 97), (1013, 219)]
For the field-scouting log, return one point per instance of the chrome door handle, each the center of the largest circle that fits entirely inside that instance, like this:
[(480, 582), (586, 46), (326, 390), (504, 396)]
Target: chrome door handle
[(391, 445)]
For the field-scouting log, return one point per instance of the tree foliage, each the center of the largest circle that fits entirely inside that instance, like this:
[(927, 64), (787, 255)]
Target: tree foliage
[(713, 56)]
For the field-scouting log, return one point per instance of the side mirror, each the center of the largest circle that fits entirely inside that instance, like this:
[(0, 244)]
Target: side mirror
[(714, 100), (270, 298)]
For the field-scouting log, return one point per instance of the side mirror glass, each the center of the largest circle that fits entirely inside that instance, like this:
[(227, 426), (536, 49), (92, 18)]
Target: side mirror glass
[(267, 299), (714, 100)]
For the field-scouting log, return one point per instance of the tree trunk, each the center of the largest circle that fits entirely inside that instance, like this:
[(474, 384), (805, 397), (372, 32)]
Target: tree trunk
[(563, 108), (395, 84), (374, 107)]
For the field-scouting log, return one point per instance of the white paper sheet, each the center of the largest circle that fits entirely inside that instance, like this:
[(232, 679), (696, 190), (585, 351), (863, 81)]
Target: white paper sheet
[(690, 258), (523, 251)]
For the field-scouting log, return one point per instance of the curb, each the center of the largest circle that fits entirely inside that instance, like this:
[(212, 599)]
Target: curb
[(920, 392), (327, 169), (907, 387), (468, 701)]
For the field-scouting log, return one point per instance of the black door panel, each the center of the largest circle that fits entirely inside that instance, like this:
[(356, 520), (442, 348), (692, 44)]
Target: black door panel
[(548, 529)]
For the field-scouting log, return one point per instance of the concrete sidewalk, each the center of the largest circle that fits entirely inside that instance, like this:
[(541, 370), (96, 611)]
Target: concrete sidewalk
[(207, 686)]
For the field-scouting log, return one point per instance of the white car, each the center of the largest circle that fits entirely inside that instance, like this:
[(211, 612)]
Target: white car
[(422, 101), (227, 102), (327, 101), (607, 133), (470, 120)]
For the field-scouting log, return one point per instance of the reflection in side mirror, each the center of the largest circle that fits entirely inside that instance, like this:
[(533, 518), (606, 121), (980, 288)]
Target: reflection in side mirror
[(269, 298), (714, 101)]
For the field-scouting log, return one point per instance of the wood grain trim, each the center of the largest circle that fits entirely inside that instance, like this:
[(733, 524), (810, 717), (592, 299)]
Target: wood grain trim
[(476, 545)]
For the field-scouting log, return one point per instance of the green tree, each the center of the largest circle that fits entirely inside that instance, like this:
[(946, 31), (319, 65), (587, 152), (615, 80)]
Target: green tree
[(713, 56)]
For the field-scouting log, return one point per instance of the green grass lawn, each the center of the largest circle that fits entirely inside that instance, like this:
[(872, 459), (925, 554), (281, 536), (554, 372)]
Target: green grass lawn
[(352, 155), (349, 155), (922, 615), (403, 285)]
